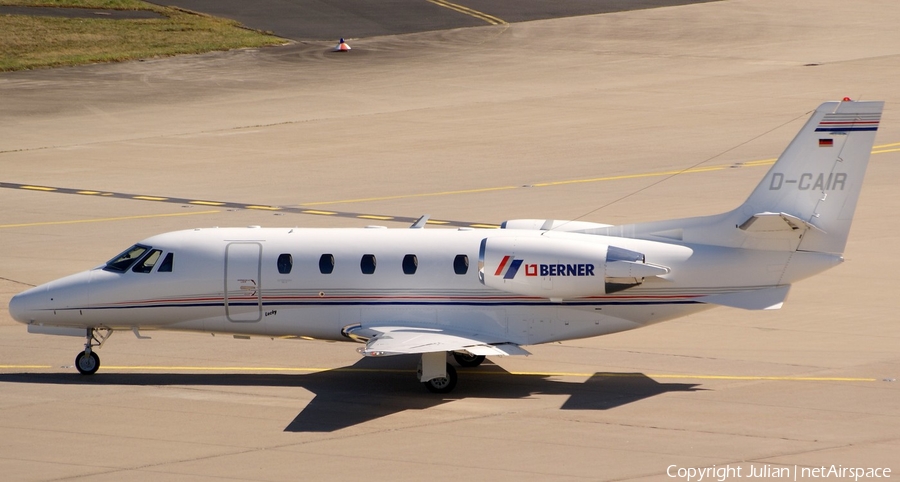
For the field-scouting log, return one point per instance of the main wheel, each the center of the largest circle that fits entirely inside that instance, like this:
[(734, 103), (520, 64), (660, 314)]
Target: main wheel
[(87, 364), (442, 384), (467, 360)]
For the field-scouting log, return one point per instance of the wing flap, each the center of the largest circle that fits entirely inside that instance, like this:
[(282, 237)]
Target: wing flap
[(502, 349), (397, 340)]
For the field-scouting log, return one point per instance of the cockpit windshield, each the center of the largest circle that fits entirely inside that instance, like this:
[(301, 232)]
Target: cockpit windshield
[(122, 262), (148, 262)]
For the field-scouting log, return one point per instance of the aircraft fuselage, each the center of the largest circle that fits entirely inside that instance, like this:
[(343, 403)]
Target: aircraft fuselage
[(272, 282)]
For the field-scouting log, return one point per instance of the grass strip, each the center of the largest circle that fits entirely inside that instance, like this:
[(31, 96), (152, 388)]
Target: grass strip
[(29, 42)]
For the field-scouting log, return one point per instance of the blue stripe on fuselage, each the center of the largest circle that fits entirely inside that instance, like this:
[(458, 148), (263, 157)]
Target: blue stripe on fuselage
[(513, 269)]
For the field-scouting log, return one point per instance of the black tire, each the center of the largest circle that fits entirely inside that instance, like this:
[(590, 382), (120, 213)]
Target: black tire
[(443, 384), (87, 365), (467, 360)]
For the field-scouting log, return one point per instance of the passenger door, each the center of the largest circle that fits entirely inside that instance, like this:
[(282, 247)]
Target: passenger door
[(243, 283)]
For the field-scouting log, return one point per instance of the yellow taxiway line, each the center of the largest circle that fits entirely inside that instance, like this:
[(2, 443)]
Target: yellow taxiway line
[(23, 367), (678, 376), (102, 220), (405, 196), (880, 149), (699, 377), (470, 12)]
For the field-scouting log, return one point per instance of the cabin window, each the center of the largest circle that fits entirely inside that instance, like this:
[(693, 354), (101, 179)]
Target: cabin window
[(146, 264), (410, 264), (326, 263), (461, 264), (285, 263), (166, 265), (122, 262), (367, 264)]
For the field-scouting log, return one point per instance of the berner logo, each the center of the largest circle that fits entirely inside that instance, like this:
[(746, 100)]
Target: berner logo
[(509, 266), (579, 269)]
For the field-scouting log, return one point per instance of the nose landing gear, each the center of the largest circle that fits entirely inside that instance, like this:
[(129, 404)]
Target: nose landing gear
[(87, 362)]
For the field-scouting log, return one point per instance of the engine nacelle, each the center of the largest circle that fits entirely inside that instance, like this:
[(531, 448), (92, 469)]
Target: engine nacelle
[(560, 268), (560, 225)]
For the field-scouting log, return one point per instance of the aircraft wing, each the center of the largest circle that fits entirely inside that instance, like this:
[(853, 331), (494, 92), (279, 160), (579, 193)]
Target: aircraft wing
[(397, 340)]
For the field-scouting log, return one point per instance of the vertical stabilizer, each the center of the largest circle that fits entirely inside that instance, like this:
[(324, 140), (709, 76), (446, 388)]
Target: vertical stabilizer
[(804, 203), (815, 183)]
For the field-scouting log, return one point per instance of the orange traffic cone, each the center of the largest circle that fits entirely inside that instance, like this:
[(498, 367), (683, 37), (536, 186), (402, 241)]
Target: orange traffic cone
[(342, 47)]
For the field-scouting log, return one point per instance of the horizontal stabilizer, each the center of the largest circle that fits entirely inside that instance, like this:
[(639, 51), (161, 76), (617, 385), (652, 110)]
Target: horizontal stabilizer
[(761, 299), (398, 340), (774, 222)]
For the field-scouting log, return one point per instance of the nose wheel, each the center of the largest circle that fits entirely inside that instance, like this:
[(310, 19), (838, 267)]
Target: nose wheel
[(87, 362)]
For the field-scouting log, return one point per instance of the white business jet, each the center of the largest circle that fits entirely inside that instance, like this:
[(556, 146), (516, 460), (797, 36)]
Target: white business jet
[(478, 292)]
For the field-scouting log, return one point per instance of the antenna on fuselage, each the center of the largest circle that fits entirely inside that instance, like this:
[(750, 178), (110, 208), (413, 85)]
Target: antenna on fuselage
[(421, 222)]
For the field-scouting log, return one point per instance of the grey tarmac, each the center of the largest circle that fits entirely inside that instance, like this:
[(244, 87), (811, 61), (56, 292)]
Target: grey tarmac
[(304, 20)]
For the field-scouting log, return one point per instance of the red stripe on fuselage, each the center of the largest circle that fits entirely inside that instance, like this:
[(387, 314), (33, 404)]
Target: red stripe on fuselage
[(502, 264)]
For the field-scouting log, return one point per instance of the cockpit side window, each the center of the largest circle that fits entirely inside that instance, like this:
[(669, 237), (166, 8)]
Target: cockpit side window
[(146, 264), (166, 266), (122, 262)]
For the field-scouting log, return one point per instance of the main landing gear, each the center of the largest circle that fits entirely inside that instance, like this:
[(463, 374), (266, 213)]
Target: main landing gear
[(438, 376), (87, 362), (444, 384), (467, 360)]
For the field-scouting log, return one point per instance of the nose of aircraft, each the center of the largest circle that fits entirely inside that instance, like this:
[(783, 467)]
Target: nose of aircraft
[(20, 305), (54, 302)]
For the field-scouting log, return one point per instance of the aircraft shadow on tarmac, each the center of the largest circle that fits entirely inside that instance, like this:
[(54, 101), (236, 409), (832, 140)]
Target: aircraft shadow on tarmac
[(375, 388)]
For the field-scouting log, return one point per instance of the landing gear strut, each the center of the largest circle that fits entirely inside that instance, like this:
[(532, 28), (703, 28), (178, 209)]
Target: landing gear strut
[(87, 362), (435, 373)]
